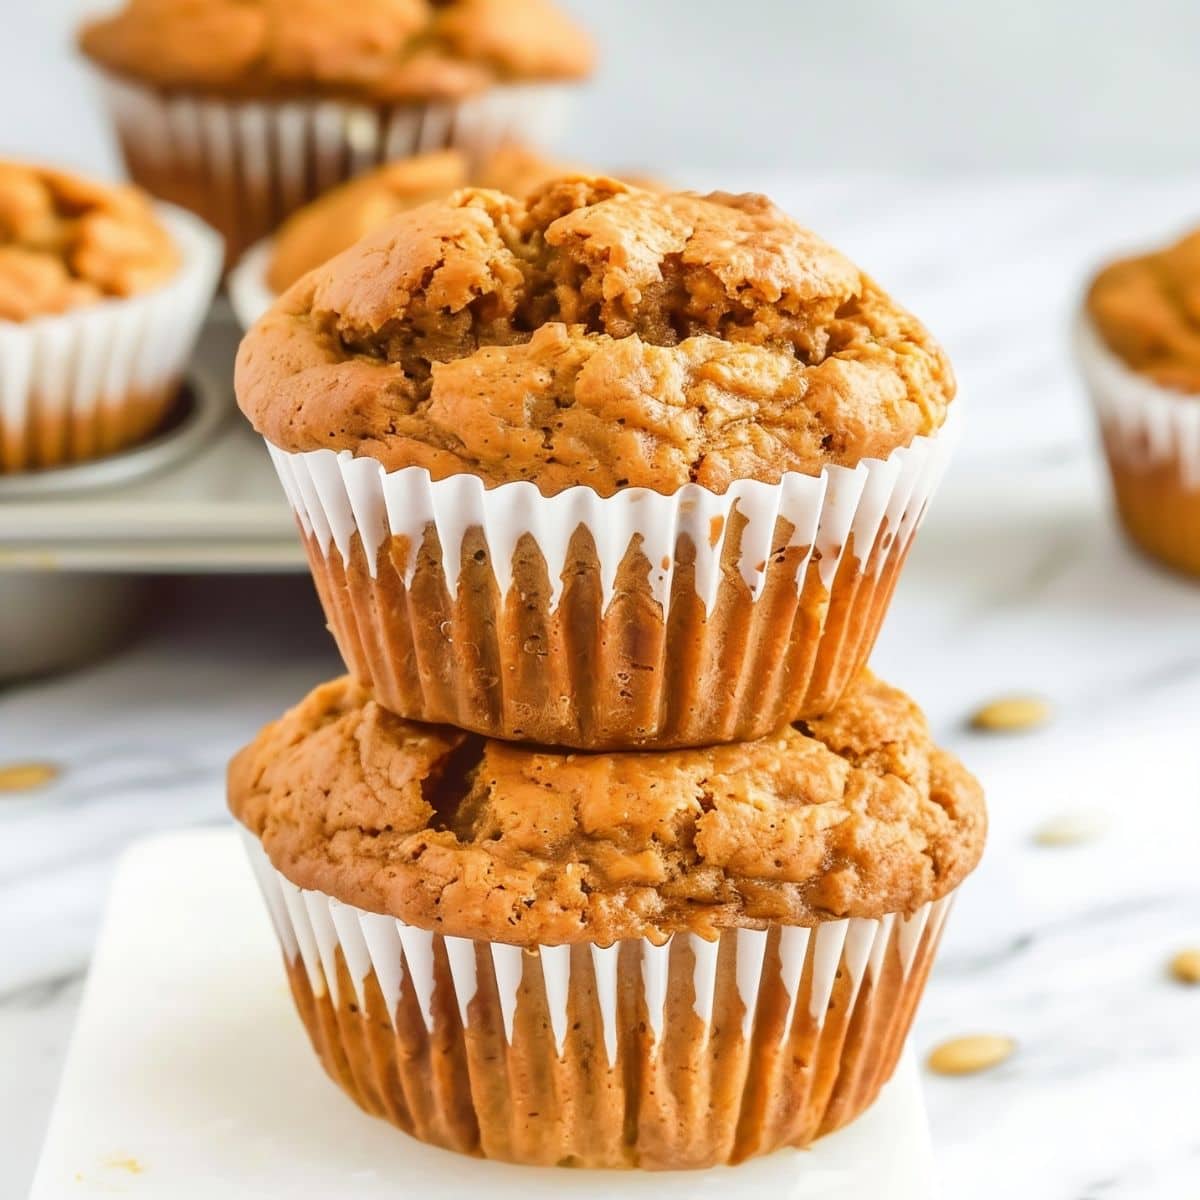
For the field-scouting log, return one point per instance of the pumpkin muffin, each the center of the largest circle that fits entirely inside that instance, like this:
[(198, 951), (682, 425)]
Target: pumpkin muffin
[(334, 221), (661, 960), (1140, 351), (244, 110), (82, 263), (604, 467)]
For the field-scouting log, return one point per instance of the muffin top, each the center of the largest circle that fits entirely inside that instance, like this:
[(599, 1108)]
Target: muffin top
[(857, 814), (66, 242), (1147, 310), (598, 334), (367, 49), (338, 218)]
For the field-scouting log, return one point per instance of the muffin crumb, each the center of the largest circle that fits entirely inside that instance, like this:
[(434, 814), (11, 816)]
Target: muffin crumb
[(597, 334), (66, 242)]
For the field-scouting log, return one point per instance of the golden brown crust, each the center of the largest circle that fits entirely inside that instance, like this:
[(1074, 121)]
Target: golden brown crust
[(340, 217), (594, 334), (1147, 310), (385, 50), (855, 814), (67, 241)]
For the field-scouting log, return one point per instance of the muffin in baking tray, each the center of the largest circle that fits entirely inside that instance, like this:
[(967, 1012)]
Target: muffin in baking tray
[(101, 298), (337, 219), (654, 959), (1139, 347), (604, 467), (243, 110)]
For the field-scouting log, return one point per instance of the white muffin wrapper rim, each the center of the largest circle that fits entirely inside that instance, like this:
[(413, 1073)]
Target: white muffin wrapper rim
[(72, 365), (336, 495), (265, 158), (1147, 424), (312, 927)]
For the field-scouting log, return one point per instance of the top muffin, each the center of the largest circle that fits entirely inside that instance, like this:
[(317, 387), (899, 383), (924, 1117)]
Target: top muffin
[(594, 334), (381, 50), (1147, 310), (335, 220), (67, 242)]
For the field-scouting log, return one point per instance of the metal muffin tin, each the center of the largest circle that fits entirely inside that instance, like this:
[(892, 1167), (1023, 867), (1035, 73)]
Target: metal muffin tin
[(77, 542), (199, 410)]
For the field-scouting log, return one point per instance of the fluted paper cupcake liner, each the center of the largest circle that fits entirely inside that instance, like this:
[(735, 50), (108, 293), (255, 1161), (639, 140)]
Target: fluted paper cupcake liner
[(1151, 437), (635, 620), (682, 1055), (244, 165), (103, 376), (249, 292)]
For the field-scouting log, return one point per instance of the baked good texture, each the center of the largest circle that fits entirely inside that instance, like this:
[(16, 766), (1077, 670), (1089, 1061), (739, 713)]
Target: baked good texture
[(856, 814), (1147, 310), (375, 50), (596, 334), (337, 219), (66, 242), (334, 221)]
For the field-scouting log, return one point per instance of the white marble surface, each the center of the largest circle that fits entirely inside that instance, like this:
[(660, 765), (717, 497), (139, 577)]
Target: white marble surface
[(1019, 581)]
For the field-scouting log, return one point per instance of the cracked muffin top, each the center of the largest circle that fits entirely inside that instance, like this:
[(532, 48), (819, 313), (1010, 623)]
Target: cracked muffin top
[(597, 334), (338, 218), (857, 814), (382, 50), (1147, 310), (66, 242)]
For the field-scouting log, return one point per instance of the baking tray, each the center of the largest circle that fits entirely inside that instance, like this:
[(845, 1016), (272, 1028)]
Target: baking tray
[(202, 497)]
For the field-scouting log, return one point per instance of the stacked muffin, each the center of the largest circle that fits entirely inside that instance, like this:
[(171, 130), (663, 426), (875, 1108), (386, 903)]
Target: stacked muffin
[(611, 853)]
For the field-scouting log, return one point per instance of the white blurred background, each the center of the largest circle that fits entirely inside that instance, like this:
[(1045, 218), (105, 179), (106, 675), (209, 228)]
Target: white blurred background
[(1075, 84)]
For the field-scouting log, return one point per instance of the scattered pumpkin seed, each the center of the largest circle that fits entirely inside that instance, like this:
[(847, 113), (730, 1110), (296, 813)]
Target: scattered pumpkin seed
[(1072, 829), (966, 1055), (1013, 714), (1185, 966), (25, 776)]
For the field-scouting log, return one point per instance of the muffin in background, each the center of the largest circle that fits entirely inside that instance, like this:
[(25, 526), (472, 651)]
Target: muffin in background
[(656, 960), (337, 219), (603, 467), (101, 299), (1139, 348), (244, 110)]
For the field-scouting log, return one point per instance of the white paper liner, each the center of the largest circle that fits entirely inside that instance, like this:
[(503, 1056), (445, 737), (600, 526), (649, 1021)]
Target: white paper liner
[(1145, 424), (313, 927), (335, 495), (249, 292), (256, 161), (83, 366)]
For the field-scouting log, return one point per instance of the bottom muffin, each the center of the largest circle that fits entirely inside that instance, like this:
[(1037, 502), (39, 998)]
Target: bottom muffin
[(652, 959)]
